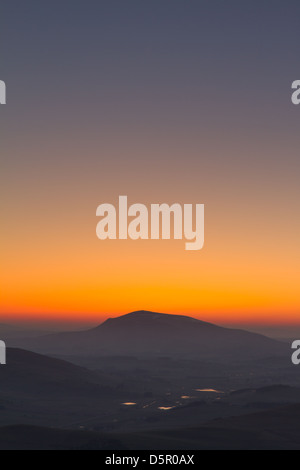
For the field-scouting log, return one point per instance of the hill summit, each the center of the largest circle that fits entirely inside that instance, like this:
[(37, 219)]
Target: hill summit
[(145, 333)]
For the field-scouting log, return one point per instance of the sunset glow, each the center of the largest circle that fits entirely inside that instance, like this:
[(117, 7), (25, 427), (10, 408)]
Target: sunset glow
[(188, 140)]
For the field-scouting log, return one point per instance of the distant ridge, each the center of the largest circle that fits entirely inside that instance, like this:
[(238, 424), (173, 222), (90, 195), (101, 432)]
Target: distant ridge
[(142, 317), (157, 334)]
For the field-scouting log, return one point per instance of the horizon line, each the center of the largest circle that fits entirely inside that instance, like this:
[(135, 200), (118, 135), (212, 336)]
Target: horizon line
[(97, 319)]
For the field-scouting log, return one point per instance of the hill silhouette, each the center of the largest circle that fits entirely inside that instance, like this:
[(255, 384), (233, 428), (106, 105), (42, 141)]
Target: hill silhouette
[(34, 373), (37, 389), (157, 334)]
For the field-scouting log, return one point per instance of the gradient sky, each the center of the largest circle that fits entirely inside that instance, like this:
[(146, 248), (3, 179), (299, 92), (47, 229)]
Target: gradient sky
[(164, 101)]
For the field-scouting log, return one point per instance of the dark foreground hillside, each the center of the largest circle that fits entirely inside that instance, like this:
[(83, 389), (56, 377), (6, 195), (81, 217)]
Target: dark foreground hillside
[(273, 430)]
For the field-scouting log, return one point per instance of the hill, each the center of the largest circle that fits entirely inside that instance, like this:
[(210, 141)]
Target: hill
[(271, 430), (156, 334), (36, 389)]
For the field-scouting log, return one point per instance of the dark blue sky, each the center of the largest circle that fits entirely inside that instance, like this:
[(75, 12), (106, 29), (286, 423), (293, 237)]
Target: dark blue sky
[(157, 50), (150, 67)]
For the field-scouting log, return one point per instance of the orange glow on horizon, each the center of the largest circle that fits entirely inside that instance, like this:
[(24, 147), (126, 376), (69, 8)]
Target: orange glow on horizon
[(53, 267), (108, 279)]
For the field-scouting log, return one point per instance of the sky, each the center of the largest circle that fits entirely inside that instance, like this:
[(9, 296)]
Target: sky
[(163, 101)]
